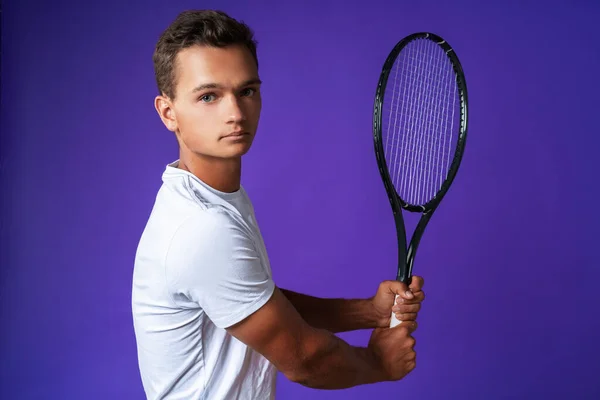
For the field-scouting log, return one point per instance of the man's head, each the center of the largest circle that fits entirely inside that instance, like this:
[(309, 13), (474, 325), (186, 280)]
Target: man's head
[(206, 70)]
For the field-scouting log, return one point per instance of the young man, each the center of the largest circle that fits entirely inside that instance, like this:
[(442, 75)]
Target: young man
[(210, 322)]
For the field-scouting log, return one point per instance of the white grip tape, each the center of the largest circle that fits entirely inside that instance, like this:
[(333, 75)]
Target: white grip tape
[(395, 321)]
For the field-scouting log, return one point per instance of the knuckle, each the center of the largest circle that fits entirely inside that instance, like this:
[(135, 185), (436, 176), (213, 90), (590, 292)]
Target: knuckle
[(408, 317), (408, 344), (411, 356)]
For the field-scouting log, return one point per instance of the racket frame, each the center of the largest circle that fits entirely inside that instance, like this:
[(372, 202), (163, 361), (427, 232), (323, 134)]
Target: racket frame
[(406, 255)]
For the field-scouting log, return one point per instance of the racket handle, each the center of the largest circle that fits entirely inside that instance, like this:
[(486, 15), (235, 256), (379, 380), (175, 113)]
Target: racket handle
[(395, 321)]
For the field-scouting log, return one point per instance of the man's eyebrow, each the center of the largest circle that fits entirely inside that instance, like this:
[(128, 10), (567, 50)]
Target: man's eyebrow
[(205, 86)]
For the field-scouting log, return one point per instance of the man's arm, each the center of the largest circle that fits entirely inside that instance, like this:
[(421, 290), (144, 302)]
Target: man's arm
[(315, 357), (334, 315), (341, 315)]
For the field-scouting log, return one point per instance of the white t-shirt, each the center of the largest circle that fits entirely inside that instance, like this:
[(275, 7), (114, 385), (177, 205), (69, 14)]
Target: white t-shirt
[(200, 267)]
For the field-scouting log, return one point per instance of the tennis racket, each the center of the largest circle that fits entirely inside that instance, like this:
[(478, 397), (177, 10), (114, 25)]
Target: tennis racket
[(420, 130)]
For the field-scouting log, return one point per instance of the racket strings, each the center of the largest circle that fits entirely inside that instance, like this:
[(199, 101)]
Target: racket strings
[(421, 103)]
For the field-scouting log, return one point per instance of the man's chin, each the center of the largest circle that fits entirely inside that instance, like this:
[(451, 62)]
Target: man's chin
[(228, 152), (237, 150)]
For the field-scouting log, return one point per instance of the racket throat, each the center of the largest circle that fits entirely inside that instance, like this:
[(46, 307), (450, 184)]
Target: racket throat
[(406, 255), (403, 273), (415, 240)]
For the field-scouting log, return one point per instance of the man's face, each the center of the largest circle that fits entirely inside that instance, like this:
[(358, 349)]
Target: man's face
[(217, 104)]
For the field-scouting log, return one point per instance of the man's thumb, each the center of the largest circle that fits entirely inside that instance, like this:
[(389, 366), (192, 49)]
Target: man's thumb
[(402, 290)]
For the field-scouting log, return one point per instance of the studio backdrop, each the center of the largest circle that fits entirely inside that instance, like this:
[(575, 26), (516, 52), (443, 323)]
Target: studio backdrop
[(510, 258)]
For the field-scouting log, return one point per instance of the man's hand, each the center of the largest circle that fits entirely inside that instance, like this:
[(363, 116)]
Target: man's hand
[(394, 350), (409, 302)]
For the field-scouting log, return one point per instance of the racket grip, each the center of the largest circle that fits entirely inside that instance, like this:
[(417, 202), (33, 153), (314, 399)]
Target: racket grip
[(395, 321)]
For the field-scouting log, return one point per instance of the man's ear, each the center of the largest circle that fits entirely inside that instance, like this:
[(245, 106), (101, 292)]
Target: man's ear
[(166, 112)]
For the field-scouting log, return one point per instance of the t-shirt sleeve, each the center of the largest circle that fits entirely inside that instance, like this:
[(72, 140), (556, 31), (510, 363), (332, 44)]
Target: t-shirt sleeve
[(212, 261)]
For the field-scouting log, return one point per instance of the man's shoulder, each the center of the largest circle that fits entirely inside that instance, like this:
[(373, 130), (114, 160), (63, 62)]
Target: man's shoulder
[(184, 216), (175, 217), (209, 224), (191, 206)]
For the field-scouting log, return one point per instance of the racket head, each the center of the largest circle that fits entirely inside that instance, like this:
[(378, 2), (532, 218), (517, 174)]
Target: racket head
[(420, 121)]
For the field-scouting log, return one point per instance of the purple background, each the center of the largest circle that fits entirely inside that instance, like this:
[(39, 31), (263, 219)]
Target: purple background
[(509, 259)]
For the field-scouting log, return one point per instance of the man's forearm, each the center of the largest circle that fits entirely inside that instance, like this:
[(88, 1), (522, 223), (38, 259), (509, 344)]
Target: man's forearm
[(338, 365), (334, 315)]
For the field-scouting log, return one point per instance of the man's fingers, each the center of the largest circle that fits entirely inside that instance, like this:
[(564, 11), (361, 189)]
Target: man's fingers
[(409, 325), (401, 289), (407, 294), (417, 297), (406, 316), (406, 308), (416, 283)]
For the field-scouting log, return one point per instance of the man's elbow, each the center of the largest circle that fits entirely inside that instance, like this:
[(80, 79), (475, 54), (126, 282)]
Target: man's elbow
[(297, 375), (309, 368), (303, 376), (298, 369)]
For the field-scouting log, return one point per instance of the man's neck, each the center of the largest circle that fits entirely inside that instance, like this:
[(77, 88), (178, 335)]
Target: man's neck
[(223, 175)]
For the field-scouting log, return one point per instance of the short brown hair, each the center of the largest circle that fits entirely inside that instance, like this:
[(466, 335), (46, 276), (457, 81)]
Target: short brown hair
[(196, 27)]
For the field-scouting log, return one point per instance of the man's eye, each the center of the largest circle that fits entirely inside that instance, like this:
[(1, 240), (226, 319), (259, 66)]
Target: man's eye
[(248, 92), (207, 98)]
